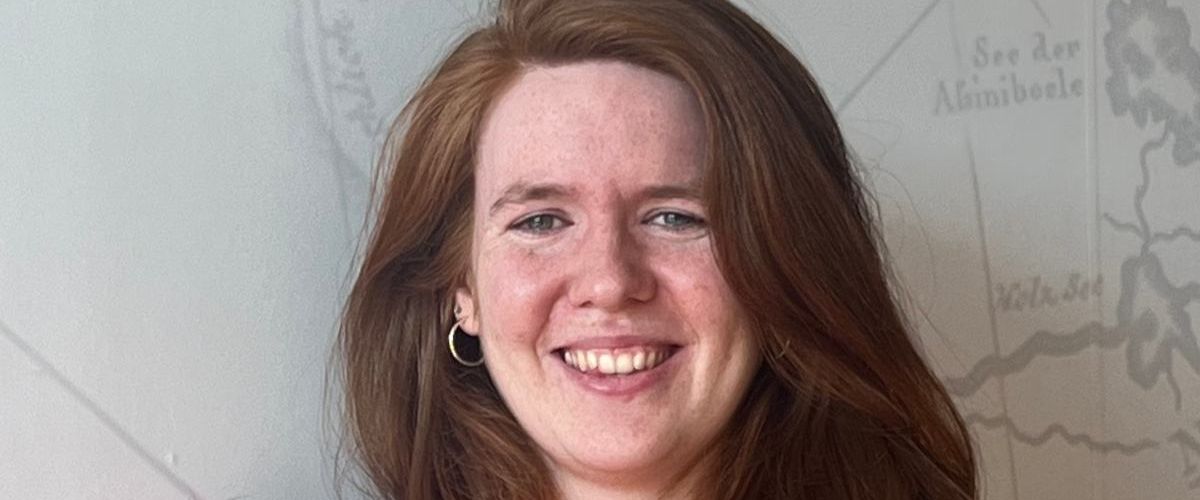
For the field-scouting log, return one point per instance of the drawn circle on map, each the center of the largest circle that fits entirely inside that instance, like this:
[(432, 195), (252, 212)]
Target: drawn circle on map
[(361, 59)]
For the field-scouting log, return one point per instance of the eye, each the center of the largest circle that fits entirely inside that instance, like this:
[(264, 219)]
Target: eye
[(676, 221), (540, 223)]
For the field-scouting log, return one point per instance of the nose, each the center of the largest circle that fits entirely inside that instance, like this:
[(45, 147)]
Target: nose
[(611, 272)]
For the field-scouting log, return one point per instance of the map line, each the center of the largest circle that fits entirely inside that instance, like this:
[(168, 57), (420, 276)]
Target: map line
[(1042, 343), (1057, 429), (1179, 232), (1188, 445), (1099, 488), (953, 22), (991, 303), (95, 410), (1042, 12), (1139, 194), (1126, 227), (348, 176), (850, 96)]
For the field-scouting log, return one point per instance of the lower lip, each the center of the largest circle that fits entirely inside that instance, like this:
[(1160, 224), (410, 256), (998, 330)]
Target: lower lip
[(618, 386)]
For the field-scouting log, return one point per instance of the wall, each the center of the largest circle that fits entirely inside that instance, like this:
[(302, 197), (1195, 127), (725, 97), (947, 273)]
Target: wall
[(182, 185)]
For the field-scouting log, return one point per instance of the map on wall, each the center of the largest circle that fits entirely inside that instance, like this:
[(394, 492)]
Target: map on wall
[(1037, 169)]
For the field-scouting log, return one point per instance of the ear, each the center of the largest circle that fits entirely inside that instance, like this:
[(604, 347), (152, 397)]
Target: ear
[(468, 314)]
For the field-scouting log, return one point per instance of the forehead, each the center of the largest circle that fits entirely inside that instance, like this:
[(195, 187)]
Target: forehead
[(591, 120)]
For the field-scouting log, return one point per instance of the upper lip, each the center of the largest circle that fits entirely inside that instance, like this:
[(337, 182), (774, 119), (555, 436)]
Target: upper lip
[(616, 342)]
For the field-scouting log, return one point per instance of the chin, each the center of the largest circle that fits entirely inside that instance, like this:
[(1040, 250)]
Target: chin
[(619, 457)]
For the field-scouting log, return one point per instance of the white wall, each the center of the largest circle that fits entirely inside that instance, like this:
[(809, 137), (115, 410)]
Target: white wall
[(181, 185)]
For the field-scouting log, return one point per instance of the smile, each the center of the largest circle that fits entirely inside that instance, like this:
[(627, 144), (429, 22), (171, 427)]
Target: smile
[(624, 361)]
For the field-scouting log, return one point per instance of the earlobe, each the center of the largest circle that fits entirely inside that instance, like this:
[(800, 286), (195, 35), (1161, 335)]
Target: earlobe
[(465, 311)]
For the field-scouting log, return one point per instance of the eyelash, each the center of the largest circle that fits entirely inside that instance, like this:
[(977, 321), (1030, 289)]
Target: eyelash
[(690, 221), (523, 224)]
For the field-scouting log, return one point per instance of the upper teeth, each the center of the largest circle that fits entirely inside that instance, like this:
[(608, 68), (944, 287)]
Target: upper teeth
[(608, 362)]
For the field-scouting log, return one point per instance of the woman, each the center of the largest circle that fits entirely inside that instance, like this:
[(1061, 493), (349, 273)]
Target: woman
[(620, 252)]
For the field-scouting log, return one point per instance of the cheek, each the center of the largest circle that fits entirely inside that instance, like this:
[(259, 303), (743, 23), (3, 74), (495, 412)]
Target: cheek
[(697, 287), (516, 293), (708, 308)]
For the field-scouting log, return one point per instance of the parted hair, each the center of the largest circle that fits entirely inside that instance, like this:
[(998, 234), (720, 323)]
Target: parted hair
[(842, 407)]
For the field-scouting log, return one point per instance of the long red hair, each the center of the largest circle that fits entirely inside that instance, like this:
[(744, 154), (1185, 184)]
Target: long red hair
[(843, 407)]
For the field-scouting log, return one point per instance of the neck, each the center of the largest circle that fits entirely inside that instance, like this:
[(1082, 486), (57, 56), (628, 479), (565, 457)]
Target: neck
[(578, 488), (651, 483)]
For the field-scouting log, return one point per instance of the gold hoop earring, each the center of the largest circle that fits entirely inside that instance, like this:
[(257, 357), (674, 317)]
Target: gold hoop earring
[(454, 349)]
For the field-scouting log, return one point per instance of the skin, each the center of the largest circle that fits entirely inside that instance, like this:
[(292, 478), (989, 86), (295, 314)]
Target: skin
[(598, 257)]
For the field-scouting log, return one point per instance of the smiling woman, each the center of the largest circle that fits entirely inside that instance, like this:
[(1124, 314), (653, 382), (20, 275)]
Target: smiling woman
[(620, 252), (605, 323)]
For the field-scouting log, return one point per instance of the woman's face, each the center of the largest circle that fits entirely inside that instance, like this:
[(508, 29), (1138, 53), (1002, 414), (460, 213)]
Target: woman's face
[(604, 320)]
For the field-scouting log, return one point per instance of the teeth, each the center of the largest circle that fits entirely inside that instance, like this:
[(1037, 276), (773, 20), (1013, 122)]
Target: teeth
[(624, 363), (607, 366), (608, 362)]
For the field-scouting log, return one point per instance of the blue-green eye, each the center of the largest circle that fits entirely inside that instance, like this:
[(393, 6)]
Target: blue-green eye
[(676, 221), (539, 223)]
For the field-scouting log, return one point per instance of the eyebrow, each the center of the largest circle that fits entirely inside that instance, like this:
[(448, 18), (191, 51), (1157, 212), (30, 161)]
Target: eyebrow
[(524, 192), (671, 191)]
